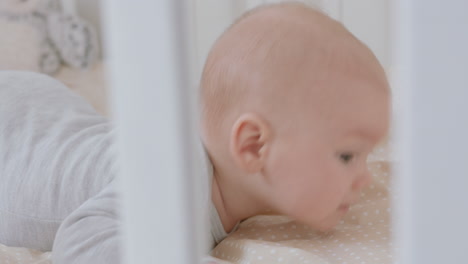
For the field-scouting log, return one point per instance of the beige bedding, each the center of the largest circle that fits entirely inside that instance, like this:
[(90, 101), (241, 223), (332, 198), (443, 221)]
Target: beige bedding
[(362, 237), (13, 255)]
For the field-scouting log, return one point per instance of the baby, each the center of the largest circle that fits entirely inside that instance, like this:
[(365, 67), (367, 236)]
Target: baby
[(292, 104)]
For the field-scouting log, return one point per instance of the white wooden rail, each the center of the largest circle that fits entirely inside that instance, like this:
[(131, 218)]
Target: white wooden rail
[(153, 105), (431, 82)]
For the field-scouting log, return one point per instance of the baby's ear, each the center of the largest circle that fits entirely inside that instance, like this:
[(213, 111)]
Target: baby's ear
[(249, 142)]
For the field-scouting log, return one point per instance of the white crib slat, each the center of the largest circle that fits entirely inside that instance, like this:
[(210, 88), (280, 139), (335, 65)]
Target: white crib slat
[(147, 44), (431, 81)]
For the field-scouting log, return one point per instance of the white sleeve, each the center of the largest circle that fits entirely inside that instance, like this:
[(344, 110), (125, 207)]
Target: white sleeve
[(56, 161), (91, 234)]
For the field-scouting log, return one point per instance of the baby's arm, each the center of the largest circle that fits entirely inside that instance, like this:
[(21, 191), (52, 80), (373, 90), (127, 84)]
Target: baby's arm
[(91, 233), (57, 166)]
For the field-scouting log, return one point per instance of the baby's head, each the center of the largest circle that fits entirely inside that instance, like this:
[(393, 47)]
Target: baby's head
[(292, 104)]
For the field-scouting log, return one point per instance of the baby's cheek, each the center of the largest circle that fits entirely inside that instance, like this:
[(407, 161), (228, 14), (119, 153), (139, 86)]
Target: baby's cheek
[(309, 210)]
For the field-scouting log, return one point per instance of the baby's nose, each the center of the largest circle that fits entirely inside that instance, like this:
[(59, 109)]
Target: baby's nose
[(363, 180)]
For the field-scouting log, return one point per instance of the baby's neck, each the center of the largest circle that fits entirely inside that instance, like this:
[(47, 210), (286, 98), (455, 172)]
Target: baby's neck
[(233, 202), (228, 221)]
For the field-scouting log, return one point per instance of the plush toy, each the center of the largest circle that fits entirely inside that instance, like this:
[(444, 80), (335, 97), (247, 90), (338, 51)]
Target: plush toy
[(38, 35)]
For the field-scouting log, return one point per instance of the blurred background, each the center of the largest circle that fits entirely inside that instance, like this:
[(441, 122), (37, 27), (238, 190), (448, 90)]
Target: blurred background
[(64, 38)]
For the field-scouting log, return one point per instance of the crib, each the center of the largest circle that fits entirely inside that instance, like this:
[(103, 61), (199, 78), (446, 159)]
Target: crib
[(422, 45)]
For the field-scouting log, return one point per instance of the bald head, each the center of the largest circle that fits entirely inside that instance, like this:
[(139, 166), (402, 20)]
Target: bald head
[(264, 60), (286, 93)]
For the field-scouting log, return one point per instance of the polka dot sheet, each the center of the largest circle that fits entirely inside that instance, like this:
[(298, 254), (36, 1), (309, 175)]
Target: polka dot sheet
[(11, 255), (363, 237)]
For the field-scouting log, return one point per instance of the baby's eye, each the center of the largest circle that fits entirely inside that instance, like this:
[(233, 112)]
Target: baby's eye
[(346, 157)]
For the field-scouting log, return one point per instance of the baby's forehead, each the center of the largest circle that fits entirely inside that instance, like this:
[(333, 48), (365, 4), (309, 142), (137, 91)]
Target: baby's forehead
[(364, 116)]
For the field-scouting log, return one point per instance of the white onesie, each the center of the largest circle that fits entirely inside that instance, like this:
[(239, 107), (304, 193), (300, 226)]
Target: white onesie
[(57, 169)]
